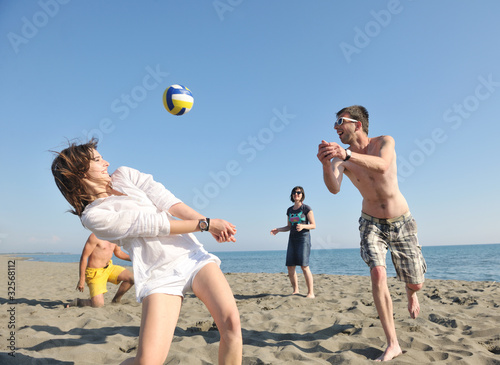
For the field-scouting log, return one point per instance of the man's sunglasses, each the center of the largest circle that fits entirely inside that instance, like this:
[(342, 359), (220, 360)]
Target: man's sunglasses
[(297, 192), (341, 121)]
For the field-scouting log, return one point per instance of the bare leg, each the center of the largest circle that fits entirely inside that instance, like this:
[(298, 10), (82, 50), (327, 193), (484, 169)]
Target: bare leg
[(212, 288), (383, 303), (309, 281), (293, 279), (77, 302), (127, 279), (160, 313), (413, 304), (96, 302)]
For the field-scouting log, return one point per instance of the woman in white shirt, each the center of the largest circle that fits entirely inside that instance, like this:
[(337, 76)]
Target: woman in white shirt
[(132, 210)]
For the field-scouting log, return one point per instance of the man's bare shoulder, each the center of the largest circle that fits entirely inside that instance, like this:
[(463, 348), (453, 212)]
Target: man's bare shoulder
[(378, 143), (382, 139)]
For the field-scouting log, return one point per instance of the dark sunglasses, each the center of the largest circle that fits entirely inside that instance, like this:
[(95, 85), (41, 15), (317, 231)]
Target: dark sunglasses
[(341, 121), (297, 192)]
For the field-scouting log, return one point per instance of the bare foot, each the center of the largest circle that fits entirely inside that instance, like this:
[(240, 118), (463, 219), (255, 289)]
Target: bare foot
[(73, 303), (295, 292), (311, 295), (390, 353), (413, 304)]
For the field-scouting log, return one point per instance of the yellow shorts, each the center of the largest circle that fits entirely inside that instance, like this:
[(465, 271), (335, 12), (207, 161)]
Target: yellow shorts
[(96, 279)]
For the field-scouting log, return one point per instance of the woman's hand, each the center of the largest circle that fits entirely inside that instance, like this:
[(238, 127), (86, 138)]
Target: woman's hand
[(274, 231), (222, 230)]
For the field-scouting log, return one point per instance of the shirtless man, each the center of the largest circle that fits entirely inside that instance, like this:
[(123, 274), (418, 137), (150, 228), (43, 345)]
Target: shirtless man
[(386, 222), (96, 268)]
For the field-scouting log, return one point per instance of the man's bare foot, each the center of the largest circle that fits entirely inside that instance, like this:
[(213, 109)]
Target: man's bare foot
[(413, 304), (295, 292), (73, 303), (311, 295), (390, 353)]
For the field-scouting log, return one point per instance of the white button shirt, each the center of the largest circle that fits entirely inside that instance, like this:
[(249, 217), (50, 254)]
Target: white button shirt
[(139, 222)]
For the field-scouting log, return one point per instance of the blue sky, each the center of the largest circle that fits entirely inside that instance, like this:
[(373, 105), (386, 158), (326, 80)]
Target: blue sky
[(267, 79)]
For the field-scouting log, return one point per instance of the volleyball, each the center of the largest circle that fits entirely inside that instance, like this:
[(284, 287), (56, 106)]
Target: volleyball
[(178, 100)]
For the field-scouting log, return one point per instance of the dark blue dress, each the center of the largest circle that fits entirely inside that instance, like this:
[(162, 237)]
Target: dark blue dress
[(299, 243)]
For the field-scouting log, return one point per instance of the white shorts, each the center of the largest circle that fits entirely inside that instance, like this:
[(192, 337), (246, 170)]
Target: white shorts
[(181, 280)]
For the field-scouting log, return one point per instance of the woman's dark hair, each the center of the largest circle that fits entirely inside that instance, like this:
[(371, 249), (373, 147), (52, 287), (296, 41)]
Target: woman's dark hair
[(298, 188), (69, 168)]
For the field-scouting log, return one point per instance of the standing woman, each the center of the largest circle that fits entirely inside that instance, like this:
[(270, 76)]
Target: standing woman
[(300, 219), (132, 210)]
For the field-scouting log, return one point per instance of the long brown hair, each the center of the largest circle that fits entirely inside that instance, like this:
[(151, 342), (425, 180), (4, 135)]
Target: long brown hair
[(69, 168)]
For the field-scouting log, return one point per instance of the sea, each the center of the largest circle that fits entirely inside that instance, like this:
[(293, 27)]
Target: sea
[(461, 262)]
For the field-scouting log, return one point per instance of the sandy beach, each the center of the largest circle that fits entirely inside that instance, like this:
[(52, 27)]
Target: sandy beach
[(459, 321)]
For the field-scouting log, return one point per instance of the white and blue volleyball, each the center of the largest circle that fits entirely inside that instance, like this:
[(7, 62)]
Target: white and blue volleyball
[(178, 100)]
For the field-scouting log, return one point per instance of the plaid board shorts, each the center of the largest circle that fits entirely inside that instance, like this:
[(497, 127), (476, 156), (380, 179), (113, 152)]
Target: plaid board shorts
[(400, 236)]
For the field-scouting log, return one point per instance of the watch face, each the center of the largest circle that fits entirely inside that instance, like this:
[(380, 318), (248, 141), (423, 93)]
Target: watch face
[(203, 225)]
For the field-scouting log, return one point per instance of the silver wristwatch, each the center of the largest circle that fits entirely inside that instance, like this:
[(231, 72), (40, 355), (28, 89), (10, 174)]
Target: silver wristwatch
[(348, 154), (204, 224)]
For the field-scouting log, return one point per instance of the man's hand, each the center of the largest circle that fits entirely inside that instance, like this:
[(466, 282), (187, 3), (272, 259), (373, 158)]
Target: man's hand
[(329, 150), (80, 286), (222, 230), (332, 171)]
